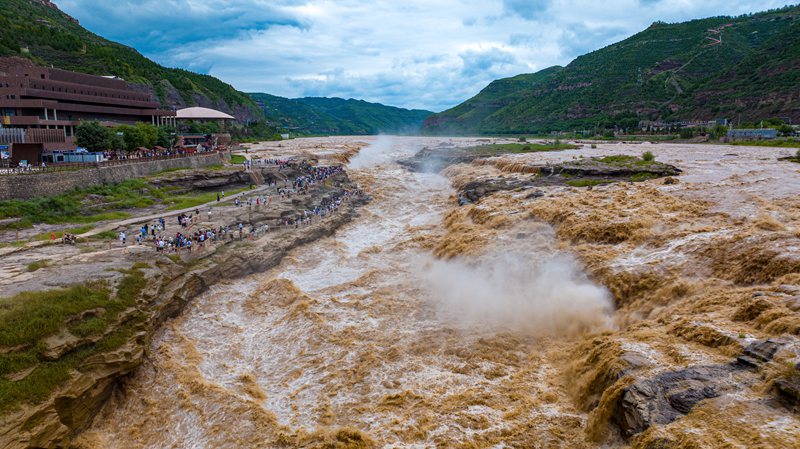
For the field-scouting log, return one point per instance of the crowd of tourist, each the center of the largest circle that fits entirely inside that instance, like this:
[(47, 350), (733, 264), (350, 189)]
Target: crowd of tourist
[(192, 233)]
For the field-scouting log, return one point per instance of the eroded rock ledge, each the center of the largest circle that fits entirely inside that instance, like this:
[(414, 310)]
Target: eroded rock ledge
[(170, 288)]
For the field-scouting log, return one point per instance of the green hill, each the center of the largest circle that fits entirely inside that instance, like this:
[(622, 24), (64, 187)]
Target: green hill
[(37, 30), (743, 68), (336, 116)]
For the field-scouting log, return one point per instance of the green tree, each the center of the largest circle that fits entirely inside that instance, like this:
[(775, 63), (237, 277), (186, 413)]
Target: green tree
[(165, 136), (204, 127), (93, 136), (149, 134), (785, 130), (132, 137), (719, 131)]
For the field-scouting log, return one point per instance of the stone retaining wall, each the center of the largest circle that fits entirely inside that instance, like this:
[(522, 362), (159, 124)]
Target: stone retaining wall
[(27, 186)]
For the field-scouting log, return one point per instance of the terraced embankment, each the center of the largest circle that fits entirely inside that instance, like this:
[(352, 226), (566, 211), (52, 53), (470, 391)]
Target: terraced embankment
[(65, 351), (651, 314)]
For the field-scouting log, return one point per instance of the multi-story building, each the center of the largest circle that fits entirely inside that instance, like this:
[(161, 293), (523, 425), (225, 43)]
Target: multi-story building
[(40, 107), (752, 134)]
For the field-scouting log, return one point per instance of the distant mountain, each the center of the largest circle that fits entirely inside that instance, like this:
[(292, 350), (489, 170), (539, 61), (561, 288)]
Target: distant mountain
[(745, 68), (336, 116), (38, 30)]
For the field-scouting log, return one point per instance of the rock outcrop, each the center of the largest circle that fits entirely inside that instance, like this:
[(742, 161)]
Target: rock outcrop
[(670, 395), (71, 409), (667, 397)]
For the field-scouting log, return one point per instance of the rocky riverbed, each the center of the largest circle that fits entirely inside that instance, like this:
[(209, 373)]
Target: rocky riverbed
[(656, 313), (168, 283)]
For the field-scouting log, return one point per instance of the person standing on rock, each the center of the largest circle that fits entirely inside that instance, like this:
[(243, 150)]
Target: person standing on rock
[(122, 237)]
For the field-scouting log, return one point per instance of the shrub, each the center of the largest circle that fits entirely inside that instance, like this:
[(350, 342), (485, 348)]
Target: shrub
[(33, 266), (648, 157), (523, 139), (588, 182)]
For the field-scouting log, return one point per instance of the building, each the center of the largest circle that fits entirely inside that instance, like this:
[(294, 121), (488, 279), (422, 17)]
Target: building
[(752, 134), (660, 125), (203, 115), (40, 107)]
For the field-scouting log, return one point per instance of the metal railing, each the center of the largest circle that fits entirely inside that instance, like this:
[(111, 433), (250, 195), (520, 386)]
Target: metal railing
[(33, 135)]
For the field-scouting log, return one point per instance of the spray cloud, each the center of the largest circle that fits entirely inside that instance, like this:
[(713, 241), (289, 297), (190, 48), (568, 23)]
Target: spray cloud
[(379, 152), (517, 292)]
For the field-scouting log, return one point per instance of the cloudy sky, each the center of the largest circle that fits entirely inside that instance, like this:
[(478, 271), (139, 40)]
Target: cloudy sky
[(430, 54)]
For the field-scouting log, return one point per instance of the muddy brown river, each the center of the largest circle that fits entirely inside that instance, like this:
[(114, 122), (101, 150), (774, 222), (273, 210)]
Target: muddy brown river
[(368, 338)]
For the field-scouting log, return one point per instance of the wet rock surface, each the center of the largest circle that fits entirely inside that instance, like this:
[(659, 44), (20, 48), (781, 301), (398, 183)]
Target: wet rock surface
[(578, 173), (474, 191), (669, 396), (597, 168), (204, 180), (436, 159)]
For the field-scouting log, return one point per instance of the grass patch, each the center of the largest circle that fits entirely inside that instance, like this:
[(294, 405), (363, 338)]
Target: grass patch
[(189, 201), (516, 148), (31, 316), (59, 234), (106, 216), (215, 167), (619, 160), (92, 326), (639, 177), (588, 182), (83, 206), (624, 161), (34, 266), (105, 235), (28, 318), (768, 143), (238, 159)]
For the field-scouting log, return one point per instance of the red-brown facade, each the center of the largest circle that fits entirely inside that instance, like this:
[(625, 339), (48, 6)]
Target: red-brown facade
[(34, 99)]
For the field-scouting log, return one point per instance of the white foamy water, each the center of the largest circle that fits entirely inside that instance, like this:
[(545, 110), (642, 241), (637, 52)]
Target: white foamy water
[(347, 333)]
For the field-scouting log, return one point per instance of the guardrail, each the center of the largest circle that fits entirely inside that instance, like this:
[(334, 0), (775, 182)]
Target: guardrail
[(68, 166)]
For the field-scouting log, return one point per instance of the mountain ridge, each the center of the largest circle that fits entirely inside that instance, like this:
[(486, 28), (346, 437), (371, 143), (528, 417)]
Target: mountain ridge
[(666, 72), (38, 30), (332, 116)]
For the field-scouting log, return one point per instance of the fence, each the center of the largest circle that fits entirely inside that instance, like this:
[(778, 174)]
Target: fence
[(38, 183), (6, 169)]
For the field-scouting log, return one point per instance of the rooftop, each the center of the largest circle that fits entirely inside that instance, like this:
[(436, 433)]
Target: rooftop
[(202, 114)]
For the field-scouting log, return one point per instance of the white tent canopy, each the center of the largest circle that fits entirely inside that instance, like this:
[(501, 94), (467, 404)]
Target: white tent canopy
[(202, 114)]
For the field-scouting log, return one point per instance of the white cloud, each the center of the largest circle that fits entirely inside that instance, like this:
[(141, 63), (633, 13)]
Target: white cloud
[(429, 54)]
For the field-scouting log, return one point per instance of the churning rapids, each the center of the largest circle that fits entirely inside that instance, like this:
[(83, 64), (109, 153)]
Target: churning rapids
[(364, 336)]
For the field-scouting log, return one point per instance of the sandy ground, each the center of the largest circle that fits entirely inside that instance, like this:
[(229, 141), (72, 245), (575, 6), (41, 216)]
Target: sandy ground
[(514, 322)]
